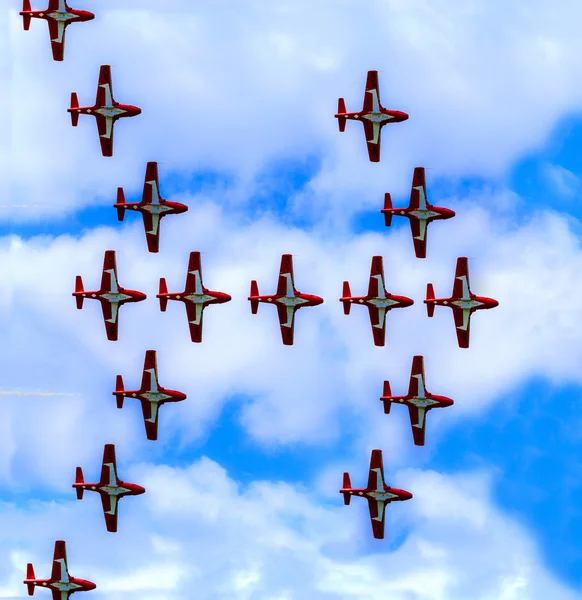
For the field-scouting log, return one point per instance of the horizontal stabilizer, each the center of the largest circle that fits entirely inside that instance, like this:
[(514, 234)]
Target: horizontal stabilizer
[(387, 206), (386, 393), (30, 575), (120, 200), (341, 109), (254, 293), (74, 114), (79, 289), (79, 479), (163, 290), (346, 293), (119, 388), (347, 485), (429, 296)]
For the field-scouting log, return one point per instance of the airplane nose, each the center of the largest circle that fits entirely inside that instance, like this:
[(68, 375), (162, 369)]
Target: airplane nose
[(494, 303), (225, 298), (407, 302), (317, 300), (402, 116)]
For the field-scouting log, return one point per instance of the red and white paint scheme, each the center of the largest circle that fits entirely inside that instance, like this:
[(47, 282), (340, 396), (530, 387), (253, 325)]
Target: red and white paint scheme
[(378, 300), (418, 400), (195, 296), (105, 110), (57, 15), (373, 116), (109, 487), (111, 295), (463, 302), (419, 212), (151, 394), (287, 299), (61, 584), (152, 206), (377, 493)]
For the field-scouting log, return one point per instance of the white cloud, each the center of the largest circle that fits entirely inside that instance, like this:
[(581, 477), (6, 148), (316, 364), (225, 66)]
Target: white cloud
[(205, 532), (234, 90), (563, 181)]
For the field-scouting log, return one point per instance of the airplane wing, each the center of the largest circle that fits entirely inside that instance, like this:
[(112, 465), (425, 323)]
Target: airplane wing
[(105, 130), (104, 90), (110, 505), (195, 312), (373, 133), (418, 423), (56, 5), (149, 380), (194, 276), (286, 316), (109, 276), (418, 229), (109, 467), (150, 412), (286, 284), (376, 484), (376, 285), (57, 36), (372, 93), (417, 381), (109, 284), (151, 194), (418, 191), (60, 570), (151, 224), (462, 318), (110, 313), (461, 286), (378, 322)]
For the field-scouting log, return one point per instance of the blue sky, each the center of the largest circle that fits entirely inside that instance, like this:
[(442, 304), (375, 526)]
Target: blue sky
[(242, 485)]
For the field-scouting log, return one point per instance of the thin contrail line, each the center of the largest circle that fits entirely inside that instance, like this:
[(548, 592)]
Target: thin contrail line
[(23, 393)]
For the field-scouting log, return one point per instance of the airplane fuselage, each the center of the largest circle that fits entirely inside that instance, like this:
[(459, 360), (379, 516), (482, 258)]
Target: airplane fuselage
[(61, 16), (376, 117), (110, 111), (418, 402), (381, 302), (113, 297), (423, 215), (153, 397), (197, 298), (291, 301)]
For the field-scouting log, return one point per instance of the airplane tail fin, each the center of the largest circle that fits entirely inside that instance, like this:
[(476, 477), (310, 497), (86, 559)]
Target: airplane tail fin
[(429, 296), (74, 104), (26, 18), (345, 294), (254, 292), (120, 200), (79, 289), (163, 290), (341, 109), (79, 479), (387, 206), (30, 575), (347, 485), (119, 388), (387, 392)]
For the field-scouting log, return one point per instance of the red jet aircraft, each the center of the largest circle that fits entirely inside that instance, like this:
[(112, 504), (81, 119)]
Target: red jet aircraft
[(106, 110), (377, 493), (61, 584), (110, 487), (195, 297), (111, 295), (463, 302), (418, 400), (150, 394), (287, 299), (378, 300), (373, 116), (419, 211), (57, 15), (152, 206)]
